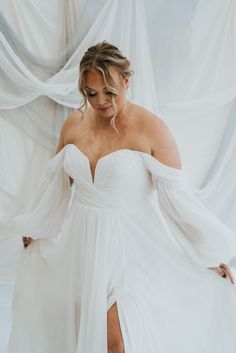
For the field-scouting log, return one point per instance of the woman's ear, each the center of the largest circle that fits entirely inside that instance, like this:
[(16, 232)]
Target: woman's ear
[(126, 82)]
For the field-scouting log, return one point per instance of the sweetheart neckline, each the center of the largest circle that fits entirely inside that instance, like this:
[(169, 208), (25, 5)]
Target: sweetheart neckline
[(168, 169), (93, 175)]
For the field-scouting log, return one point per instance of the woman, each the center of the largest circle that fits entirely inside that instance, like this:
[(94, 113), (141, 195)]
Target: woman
[(127, 262)]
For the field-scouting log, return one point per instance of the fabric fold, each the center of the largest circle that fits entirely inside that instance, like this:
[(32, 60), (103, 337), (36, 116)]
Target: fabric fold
[(201, 235), (46, 220)]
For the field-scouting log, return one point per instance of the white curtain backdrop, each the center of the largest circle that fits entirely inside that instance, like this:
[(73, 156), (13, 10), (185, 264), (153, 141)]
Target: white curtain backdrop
[(183, 53)]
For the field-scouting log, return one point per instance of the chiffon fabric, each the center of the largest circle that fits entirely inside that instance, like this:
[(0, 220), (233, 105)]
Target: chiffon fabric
[(133, 234)]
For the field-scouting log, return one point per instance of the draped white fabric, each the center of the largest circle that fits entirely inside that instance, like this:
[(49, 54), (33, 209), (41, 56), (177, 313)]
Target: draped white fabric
[(183, 54), (117, 236)]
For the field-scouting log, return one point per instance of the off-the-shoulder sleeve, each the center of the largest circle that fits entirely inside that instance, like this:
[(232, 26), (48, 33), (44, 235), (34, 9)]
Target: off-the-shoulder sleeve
[(46, 220), (204, 238)]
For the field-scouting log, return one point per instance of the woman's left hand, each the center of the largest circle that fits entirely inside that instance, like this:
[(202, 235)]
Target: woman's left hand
[(224, 271), (26, 241)]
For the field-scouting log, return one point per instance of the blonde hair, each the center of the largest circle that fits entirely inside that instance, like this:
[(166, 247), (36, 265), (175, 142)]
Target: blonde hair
[(101, 56)]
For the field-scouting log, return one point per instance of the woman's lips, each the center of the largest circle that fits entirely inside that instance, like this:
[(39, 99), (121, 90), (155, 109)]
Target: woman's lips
[(105, 109)]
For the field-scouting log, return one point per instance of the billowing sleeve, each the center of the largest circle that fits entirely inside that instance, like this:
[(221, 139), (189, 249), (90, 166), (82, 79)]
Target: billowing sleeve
[(202, 236), (47, 217)]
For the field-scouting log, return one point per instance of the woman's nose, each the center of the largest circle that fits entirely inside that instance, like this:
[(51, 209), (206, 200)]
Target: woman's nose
[(101, 99)]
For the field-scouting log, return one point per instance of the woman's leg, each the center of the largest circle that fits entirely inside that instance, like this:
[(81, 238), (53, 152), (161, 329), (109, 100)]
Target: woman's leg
[(114, 335)]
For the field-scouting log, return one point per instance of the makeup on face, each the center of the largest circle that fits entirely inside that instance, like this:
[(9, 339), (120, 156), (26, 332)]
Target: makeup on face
[(100, 97)]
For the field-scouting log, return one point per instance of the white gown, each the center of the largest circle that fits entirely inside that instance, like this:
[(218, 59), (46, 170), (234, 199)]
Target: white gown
[(137, 236)]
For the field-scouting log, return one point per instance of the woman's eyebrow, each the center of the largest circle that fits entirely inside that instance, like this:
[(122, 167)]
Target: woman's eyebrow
[(90, 88)]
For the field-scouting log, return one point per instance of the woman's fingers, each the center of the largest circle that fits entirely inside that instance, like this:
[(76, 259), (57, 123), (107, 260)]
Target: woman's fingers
[(223, 271), (227, 272), (26, 241)]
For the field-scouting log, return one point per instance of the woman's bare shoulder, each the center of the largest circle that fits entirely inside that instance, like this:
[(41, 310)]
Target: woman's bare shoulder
[(145, 121), (159, 137), (145, 117), (72, 121)]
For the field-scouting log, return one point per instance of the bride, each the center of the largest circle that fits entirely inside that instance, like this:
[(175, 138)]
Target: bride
[(121, 257)]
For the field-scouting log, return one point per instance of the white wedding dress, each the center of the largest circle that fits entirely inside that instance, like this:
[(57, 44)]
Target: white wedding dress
[(135, 235)]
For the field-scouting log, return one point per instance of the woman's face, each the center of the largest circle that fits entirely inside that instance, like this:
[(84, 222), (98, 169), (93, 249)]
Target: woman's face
[(99, 96)]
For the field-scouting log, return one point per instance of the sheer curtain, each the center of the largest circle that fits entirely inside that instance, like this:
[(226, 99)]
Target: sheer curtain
[(183, 55)]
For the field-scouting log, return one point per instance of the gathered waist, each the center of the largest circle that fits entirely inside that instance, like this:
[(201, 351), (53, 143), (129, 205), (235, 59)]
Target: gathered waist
[(102, 202)]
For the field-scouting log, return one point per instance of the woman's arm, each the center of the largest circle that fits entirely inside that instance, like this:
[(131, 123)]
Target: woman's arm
[(164, 149), (163, 145), (64, 131), (61, 144)]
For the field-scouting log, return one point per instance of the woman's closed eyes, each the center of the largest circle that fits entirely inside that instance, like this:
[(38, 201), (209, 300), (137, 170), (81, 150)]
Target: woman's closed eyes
[(93, 94)]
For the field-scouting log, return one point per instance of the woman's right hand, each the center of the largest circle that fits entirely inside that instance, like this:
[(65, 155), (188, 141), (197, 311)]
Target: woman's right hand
[(26, 241)]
